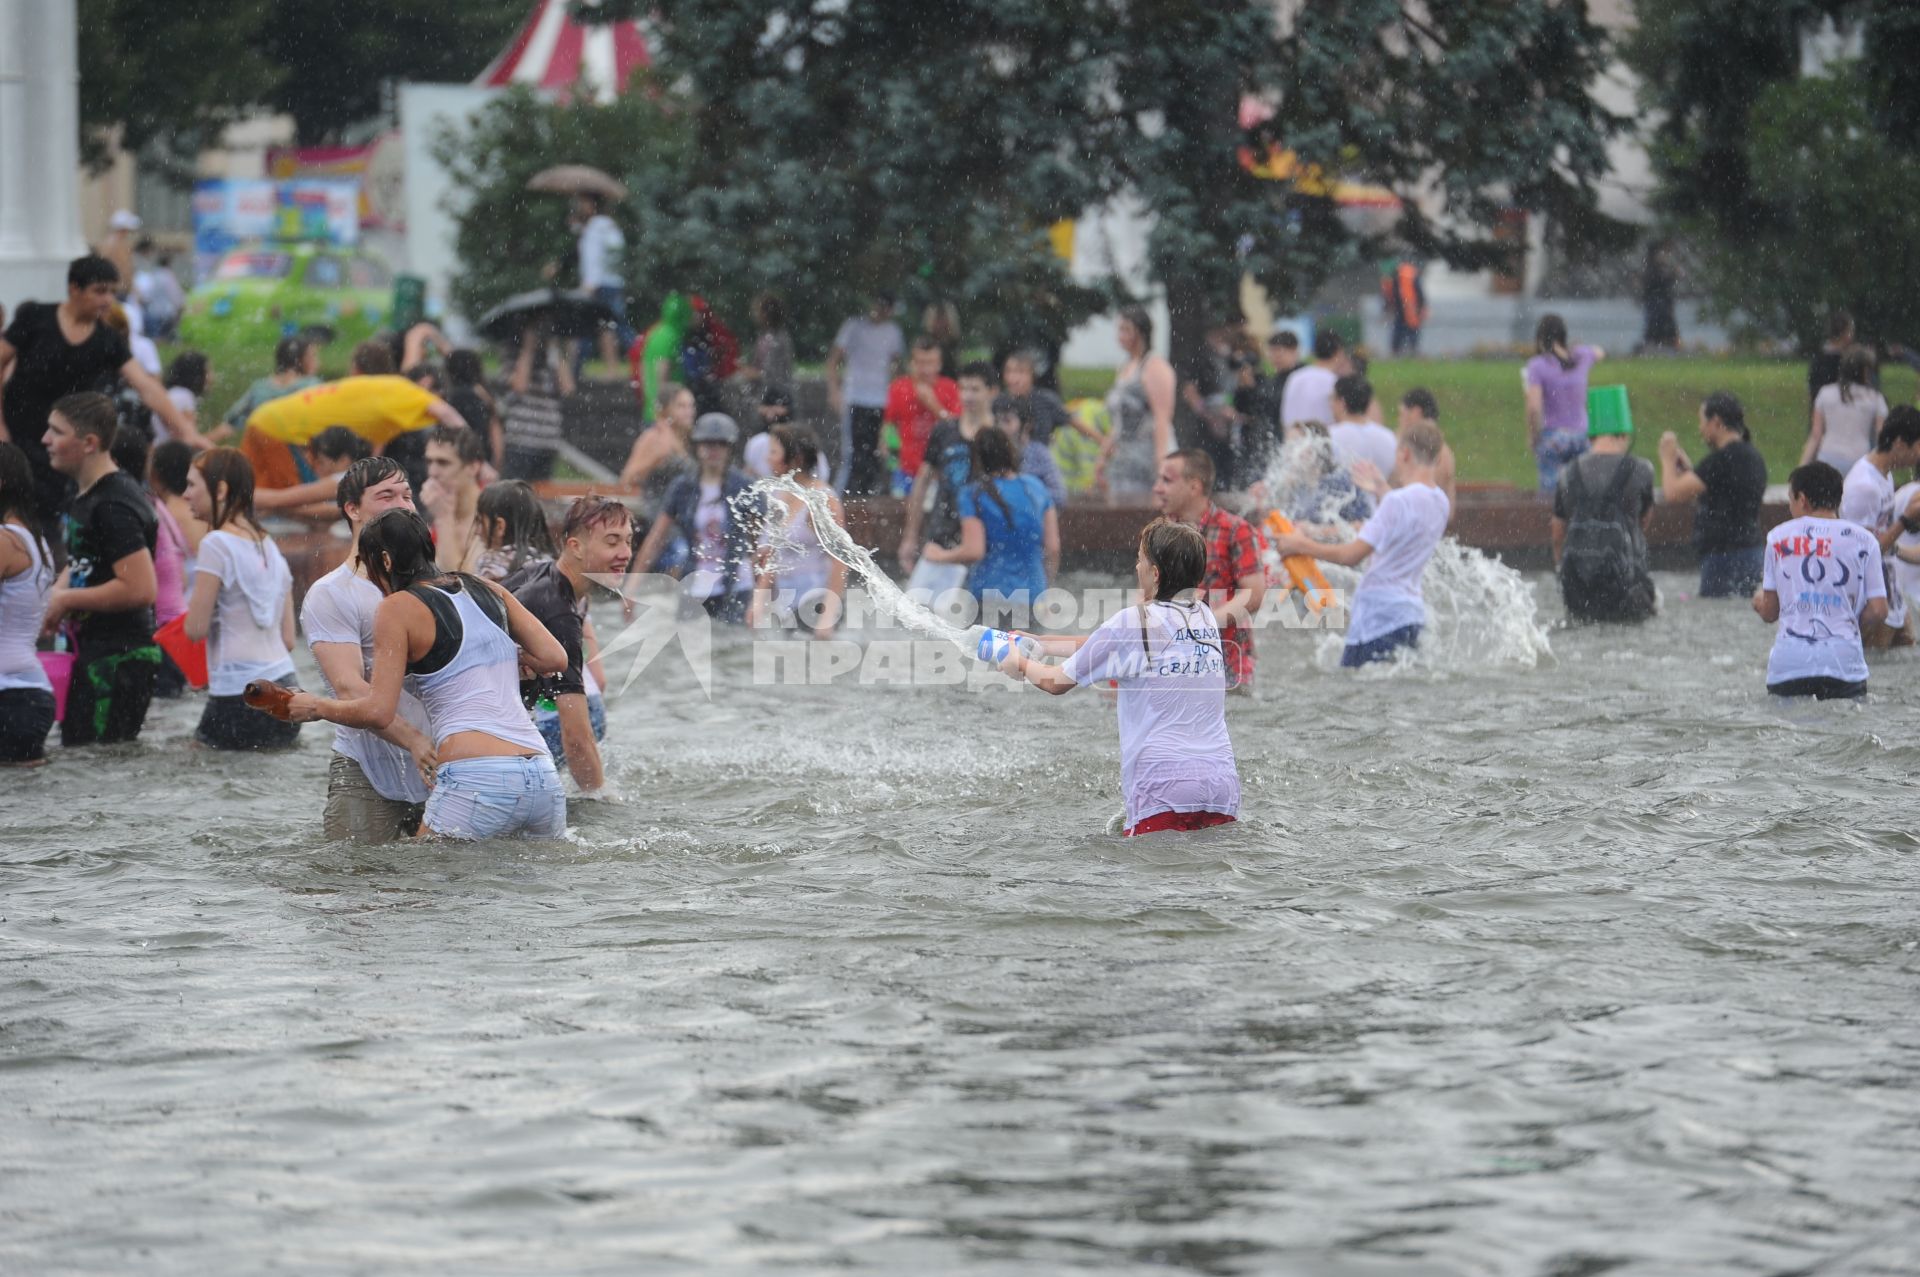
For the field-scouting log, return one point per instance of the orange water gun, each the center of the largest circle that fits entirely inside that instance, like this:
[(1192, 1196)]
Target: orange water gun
[(1304, 572)]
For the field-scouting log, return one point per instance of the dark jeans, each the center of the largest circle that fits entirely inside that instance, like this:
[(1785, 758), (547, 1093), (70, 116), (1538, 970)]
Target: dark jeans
[(531, 464), (865, 474), (111, 690), (26, 716), (228, 723), (1406, 338), (169, 684), (1726, 574), (1821, 689), (1354, 655)]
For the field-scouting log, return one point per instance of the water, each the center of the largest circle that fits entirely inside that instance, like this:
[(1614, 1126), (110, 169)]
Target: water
[(1603, 965)]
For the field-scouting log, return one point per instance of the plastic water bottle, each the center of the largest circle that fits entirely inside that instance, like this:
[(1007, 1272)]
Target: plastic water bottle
[(986, 644)]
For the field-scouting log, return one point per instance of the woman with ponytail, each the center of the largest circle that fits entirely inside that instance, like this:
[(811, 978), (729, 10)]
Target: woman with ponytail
[(241, 602), (1164, 657), (1728, 486), (1556, 384)]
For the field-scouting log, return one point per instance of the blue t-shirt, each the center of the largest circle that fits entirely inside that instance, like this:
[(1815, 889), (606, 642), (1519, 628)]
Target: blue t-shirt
[(1015, 547)]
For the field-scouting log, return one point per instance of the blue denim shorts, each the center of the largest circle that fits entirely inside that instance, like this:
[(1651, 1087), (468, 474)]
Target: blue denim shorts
[(549, 725), (496, 798)]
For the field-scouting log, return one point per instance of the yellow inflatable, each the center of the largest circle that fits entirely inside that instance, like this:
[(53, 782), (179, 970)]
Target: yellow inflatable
[(378, 409), (1304, 573), (375, 408)]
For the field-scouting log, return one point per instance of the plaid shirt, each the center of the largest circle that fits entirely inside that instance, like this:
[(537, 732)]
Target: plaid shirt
[(1233, 552)]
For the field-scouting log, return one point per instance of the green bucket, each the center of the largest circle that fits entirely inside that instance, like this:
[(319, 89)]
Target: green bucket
[(1607, 412)]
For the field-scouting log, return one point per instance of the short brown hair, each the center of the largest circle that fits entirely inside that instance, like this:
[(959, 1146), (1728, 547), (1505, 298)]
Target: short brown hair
[(1196, 464), (374, 358), (1424, 440), (589, 512), (90, 414)]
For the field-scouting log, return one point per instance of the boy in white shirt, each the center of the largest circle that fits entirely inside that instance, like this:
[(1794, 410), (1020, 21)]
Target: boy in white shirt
[(1867, 498), (1388, 611), (1822, 582)]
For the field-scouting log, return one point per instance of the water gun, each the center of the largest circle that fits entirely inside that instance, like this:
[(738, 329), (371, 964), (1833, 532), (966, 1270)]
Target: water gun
[(1304, 573)]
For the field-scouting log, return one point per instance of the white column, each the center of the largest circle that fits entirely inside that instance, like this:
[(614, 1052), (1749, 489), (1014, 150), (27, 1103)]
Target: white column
[(58, 115), (16, 145), (39, 148)]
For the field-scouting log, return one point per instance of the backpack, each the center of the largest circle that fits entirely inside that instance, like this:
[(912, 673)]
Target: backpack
[(1599, 565)]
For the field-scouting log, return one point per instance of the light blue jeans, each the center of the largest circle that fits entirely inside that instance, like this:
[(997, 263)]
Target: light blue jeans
[(496, 798)]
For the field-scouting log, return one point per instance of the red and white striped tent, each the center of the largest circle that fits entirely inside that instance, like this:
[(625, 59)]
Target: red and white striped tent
[(558, 55)]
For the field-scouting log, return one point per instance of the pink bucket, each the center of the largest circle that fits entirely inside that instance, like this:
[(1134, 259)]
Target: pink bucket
[(59, 668)]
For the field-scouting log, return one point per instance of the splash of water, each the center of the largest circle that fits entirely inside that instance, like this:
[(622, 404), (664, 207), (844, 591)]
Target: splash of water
[(1480, 612), (837, 542)]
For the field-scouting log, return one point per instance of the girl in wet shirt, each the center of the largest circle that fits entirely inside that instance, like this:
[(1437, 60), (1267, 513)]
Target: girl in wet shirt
[(458, 643), (1164, 654), (241, 602)]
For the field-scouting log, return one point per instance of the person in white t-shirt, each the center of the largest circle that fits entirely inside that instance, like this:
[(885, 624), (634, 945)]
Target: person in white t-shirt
[(601, 248), (1847, 414), (1822, 581), (1164, 654), (1309, 391), (241, 604), (376, 786), (1355, 438), (1388, 611), (1867, 498), (860, 368)]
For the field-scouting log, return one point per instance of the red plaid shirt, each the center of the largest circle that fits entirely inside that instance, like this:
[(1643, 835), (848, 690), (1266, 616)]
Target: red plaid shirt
[(1233, 552)]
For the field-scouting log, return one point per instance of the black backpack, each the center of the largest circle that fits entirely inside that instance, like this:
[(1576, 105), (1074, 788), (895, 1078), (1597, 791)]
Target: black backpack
[(1599, 565)]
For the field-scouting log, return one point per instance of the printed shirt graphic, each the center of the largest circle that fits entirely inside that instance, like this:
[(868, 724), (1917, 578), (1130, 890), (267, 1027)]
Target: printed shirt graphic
[(1175, 754), (1824, 571)]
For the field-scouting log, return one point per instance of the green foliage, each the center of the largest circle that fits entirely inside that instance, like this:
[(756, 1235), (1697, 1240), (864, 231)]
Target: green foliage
[(165, 71), (1788, 188), (507, 233), (874, 143), (163, 76), (337, 56), (921, 148), (1835, 221)]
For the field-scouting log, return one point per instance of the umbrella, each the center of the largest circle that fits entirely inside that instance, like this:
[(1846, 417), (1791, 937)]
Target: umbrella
[(569, 314), (576, 179)]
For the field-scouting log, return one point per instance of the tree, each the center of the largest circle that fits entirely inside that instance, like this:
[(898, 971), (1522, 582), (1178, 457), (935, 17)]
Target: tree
[(872, 142), (920, 148), (1735, 145), (163, 73), (337, 57), (162, 76)]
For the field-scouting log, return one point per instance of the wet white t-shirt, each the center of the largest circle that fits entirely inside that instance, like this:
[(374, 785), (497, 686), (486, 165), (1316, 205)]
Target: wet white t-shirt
[(1868, 500), (1402, 532), (871, 349), (1174, 751), (1906, 576), (339, 608), (1364, 440), (1824, 571), (1308, 396), (1850, 422), (244, 640)]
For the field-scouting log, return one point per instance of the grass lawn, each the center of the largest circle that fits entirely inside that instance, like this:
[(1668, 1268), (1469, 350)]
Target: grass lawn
[(1483, 410)]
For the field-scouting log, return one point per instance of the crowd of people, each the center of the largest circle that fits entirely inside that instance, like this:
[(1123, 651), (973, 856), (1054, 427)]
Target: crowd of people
[(455, 641)]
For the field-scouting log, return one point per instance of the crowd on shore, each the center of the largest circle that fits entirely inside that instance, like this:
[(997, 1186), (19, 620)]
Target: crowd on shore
[(456, 642)]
